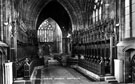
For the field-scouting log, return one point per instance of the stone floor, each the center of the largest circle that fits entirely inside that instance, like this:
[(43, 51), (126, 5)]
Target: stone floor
[(59, 75), (56, 74)]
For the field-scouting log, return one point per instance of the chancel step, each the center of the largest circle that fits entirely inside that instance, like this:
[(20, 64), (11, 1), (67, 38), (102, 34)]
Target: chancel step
[(110, 79)]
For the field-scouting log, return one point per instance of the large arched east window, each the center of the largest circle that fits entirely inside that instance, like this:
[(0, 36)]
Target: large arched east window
[(45, 32)]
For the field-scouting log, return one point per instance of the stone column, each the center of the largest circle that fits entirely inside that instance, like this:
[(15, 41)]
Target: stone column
[(13, 38), (111, 55)]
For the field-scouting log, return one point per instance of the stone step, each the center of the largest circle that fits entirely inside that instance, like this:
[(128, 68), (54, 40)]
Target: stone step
[(22, 82), (53, 62), (112, 81), (109, 78)]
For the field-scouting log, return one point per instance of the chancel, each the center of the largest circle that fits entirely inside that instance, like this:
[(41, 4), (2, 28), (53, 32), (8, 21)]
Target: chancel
[(67, 41)]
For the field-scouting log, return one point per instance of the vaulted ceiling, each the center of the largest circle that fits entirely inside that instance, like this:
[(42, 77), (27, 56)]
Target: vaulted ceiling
[(57, 12), (67, 13)]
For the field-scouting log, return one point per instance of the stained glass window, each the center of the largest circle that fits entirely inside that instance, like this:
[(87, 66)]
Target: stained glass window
[(45, 32)]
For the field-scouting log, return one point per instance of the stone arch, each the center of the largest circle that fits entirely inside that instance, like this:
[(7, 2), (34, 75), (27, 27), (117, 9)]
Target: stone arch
[(66, 5), (129, 63), (129, 47), (126, 52)]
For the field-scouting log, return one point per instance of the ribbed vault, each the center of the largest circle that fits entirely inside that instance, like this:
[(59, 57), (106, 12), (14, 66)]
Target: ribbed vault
[(30, 10), (77, 10)]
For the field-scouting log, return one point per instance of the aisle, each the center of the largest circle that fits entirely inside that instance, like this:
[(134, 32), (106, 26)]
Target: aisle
[(56, 74), (59, 75)]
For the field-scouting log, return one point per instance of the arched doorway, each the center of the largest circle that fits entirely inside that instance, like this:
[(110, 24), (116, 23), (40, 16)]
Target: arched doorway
[(126, 52), (129, 65)]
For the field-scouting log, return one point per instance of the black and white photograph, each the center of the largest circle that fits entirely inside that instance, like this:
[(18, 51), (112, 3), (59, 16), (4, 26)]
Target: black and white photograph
[(67, 41)]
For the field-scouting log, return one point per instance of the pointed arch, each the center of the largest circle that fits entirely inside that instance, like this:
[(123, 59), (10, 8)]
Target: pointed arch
[(49, 31), (45, 32), (42, 14)]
